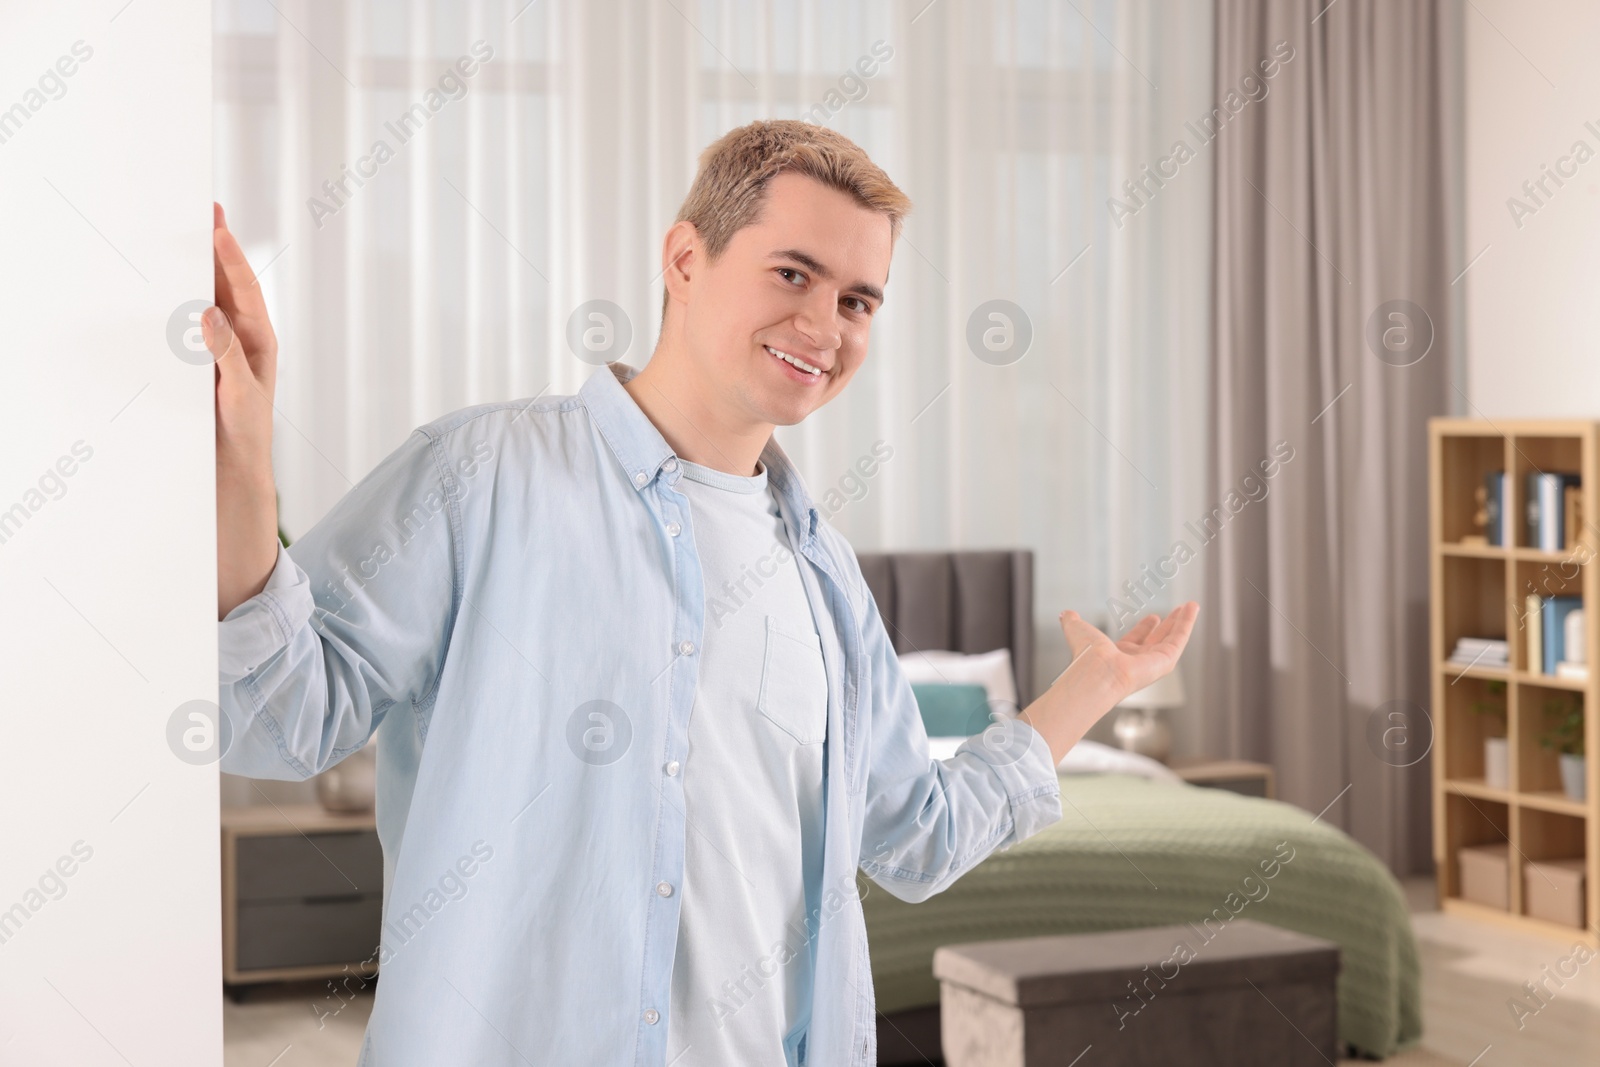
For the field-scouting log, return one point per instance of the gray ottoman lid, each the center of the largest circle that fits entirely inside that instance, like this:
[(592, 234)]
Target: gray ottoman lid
[(1030, 971)]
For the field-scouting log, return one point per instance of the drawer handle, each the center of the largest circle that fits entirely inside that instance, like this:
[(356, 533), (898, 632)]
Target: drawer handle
[(337, 898)]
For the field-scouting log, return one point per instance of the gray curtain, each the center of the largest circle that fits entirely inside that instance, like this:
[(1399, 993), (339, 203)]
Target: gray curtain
[(1336, 335)]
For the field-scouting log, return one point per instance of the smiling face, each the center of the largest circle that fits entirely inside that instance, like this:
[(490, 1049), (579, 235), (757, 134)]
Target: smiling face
[(806, 280)]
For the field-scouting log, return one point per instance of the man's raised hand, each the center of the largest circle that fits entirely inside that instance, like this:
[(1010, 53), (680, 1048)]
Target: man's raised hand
[(239, 335)]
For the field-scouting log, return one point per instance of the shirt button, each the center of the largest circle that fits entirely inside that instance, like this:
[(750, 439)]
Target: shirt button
[(670, 465), (663, 889), (672, 768), (640, 478), (674, 529), (652, 1016), (686, 648)]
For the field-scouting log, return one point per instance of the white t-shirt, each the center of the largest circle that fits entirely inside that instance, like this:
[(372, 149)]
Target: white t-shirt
[(752, 787)]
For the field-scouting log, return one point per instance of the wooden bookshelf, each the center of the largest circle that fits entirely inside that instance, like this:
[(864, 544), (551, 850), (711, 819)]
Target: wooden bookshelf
[(1479, 591)]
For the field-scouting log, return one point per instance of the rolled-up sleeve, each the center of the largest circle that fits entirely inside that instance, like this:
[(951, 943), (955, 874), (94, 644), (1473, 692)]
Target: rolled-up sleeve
[(930, 821), (258, 628), (353, 620)]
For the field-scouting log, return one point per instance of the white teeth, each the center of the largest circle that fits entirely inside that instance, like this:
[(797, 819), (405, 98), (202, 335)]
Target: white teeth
[(787, 358)]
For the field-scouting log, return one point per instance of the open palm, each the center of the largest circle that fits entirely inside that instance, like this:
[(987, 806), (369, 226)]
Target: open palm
[(1146, 652)]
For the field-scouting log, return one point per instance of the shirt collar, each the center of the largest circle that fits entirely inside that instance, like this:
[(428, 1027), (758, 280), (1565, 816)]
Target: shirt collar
[(643, 452)]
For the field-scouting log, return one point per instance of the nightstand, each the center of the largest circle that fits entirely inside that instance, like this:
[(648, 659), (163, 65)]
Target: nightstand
[(1234, 775), (302, 893)]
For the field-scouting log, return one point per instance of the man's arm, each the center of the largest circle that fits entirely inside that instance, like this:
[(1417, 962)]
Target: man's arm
[(930, 821), (1104, 671), (316, 646), (246, 351), (353, 621)]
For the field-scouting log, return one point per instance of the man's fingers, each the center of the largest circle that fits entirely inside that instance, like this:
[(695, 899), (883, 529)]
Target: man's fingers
[(238, 294), (1177, 626), (1159, 633), (221, 340), (222, 291), (234, 271), (1141, 629), (1186, 624), (1150, 630), (1174, 619)]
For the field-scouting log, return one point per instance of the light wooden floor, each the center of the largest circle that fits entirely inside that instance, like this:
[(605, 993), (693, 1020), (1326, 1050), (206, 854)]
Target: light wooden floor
[(1469, 970)]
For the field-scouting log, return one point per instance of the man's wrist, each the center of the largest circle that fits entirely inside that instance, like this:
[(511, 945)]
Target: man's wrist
[(1075, 701)]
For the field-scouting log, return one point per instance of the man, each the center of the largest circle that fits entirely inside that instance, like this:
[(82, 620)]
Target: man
[(621, 826)]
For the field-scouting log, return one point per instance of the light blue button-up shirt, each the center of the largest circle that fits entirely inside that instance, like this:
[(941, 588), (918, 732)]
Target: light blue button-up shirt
[(512, 601)]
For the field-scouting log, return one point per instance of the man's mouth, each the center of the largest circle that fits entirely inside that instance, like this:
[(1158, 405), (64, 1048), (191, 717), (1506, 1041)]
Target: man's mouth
[(795, 361)]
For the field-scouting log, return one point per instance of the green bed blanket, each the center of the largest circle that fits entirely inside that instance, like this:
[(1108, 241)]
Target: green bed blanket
[(1132, 852)]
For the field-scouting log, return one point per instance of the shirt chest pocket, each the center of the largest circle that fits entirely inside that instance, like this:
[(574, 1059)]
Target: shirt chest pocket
[(794, 683)]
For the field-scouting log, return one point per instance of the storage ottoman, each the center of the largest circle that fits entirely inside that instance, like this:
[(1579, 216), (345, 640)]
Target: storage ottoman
[(1239, 993)]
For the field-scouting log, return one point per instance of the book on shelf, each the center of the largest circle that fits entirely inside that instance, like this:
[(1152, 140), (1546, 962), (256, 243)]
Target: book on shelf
[(1546, 509), (1574, 644), (1553, 620), (1532, 616), (1497, 506), (1478, 664), (1481, 644), (1487, 662), (1492, 652), (1573, 513)]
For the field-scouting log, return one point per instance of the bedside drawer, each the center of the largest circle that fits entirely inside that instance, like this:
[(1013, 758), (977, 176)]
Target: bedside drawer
[(299, 866), (303, 933), (1236, 776), (1253, 786)]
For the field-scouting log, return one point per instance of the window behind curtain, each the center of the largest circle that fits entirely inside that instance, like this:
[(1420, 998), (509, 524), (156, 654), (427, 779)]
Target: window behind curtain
[(448, 277)]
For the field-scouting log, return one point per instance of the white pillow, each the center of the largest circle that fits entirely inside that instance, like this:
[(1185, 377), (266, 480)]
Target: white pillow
[(1091, 757), (992, 670)]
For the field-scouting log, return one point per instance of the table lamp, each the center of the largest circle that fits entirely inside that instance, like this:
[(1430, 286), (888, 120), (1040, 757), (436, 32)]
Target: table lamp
[(1139, 726)]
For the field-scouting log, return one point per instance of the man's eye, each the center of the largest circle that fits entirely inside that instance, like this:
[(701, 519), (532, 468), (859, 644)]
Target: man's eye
[(789, 270)]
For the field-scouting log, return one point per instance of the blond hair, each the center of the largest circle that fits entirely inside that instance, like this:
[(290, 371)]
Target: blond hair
[(731, 183)]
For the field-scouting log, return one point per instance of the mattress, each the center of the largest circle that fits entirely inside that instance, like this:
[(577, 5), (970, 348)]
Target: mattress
[(1131, 852)]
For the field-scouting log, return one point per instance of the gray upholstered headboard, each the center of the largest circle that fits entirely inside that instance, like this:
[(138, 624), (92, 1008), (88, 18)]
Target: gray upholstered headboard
[(963, 601)]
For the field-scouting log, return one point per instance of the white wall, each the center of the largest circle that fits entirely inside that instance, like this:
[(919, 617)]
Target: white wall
[(1533, 299), (107, 537)]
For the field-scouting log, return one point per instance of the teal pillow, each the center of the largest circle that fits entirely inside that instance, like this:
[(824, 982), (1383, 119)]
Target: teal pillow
[(952, 710)]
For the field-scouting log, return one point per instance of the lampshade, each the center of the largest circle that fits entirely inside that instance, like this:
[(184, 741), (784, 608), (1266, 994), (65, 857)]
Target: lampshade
[(1165, 692)]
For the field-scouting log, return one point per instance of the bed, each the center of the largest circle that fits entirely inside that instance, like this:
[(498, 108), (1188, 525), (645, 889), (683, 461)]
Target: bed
[(1128, 851)]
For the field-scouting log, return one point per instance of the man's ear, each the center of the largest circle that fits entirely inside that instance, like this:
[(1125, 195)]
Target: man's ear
[(679, 258)]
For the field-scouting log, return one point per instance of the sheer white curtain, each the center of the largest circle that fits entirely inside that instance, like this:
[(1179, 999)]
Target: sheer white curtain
[(440, 263)]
